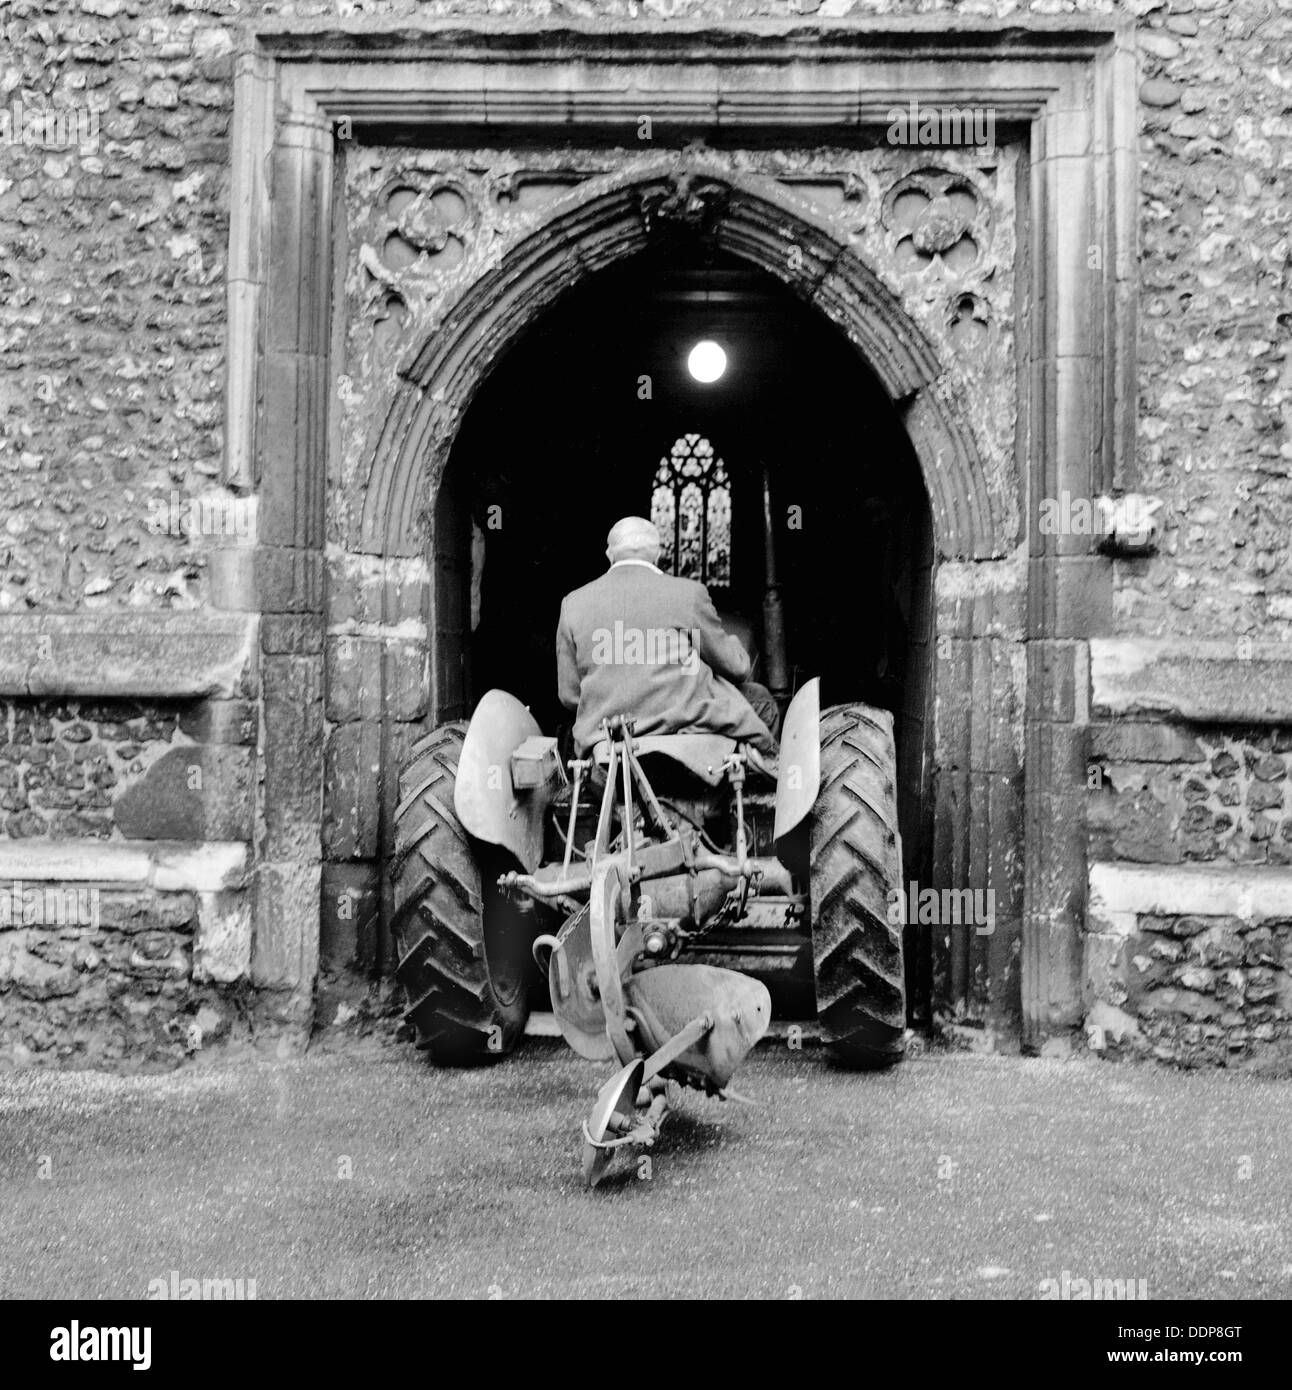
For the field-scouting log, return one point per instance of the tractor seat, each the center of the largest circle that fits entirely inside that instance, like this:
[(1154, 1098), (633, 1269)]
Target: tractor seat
[(701, 754)]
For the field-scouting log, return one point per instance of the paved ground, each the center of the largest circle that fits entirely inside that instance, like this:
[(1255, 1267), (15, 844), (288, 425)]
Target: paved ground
[(953, 1177)]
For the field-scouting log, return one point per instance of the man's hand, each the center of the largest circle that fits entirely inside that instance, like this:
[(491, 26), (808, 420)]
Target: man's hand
[(743, 631)]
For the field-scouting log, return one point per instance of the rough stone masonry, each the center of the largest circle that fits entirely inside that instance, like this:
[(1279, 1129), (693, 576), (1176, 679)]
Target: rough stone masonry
[(136, 697)]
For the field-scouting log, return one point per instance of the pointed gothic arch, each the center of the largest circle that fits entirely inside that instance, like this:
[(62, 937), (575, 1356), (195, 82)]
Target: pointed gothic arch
[(976, 508)]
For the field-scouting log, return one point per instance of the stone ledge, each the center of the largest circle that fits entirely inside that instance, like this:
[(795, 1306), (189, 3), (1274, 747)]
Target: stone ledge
[(1124, 742), (816, 37), (167, 866), (1206, 682), (1121, 892), (171, 655)]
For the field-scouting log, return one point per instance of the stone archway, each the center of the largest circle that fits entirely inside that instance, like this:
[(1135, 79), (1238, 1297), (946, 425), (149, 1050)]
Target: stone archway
[(975, 501), (452, 336), (1012, 396)]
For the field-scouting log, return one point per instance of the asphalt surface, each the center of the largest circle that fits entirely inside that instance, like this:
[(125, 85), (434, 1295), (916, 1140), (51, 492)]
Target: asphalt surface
[(954, 1176)]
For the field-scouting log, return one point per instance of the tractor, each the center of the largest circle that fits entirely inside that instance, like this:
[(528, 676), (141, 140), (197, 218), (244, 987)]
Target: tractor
[(605, 874)]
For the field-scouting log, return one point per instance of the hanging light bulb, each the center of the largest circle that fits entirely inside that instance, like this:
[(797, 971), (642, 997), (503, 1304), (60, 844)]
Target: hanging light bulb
[(706, 361)]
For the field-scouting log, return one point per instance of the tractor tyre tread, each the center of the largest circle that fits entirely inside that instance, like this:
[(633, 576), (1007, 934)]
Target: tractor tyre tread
[(855, 866), (438, 922)]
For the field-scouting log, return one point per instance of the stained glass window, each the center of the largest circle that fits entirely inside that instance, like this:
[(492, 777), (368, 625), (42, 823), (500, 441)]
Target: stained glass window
[(691, 506)]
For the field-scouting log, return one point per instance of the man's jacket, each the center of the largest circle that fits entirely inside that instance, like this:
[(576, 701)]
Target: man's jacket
[(644, 644)]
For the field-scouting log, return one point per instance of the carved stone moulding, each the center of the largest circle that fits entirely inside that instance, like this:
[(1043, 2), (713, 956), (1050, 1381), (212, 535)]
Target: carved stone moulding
[(602, 220), (440, 235)]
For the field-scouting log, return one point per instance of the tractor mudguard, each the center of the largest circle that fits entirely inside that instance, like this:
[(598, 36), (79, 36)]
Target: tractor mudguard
[(487, 803), (799, 778)]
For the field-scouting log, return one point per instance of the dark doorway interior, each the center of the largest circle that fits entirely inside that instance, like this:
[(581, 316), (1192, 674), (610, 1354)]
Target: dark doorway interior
[(567, 434)]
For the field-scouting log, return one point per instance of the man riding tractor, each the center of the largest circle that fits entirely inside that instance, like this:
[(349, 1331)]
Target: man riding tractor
[(611, 878), (641, 643)]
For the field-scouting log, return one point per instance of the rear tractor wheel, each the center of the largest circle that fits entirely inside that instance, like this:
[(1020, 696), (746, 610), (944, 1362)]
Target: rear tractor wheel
[(855, 867), (464, 949)]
